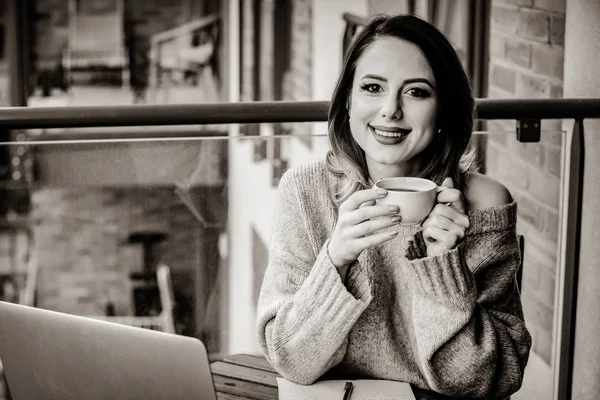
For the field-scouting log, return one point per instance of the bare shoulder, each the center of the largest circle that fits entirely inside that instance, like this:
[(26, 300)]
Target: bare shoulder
[(484, 192)]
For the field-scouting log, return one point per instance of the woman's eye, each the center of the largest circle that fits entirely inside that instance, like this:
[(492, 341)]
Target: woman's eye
[(371, 87), (418, 92)]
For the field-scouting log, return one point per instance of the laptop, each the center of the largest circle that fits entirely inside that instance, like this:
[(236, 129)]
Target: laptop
[(55, 356)]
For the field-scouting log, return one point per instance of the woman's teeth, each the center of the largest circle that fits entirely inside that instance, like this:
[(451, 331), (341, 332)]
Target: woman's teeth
[(388, 134)]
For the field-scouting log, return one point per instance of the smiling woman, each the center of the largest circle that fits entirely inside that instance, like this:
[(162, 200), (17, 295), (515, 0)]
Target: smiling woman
[(349, 287)]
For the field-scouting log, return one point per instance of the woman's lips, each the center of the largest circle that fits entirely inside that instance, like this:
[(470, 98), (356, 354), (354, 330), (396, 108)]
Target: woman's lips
[(390, 131), (389, 136)]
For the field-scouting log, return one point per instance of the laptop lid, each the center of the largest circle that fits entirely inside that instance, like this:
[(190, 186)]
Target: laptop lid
[(55, 356)]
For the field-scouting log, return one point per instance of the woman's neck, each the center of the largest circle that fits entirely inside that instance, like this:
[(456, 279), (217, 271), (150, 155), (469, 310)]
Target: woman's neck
[(379, 171)]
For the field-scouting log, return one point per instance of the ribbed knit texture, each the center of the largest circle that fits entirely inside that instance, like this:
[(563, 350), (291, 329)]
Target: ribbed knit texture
[(452, 323)]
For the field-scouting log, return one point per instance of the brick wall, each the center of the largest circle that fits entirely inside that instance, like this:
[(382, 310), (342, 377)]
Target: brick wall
[(295, 86), (297, 80), (526, 61), (82, 245), (297, 83)]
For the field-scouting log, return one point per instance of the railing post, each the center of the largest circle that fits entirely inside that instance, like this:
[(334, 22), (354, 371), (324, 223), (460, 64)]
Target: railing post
[(348, 35), (568, 274)]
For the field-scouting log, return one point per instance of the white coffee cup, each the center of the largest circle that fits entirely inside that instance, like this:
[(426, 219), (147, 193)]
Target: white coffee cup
[(415, 197)]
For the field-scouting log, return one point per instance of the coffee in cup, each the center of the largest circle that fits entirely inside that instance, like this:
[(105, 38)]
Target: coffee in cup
[(415, 196)]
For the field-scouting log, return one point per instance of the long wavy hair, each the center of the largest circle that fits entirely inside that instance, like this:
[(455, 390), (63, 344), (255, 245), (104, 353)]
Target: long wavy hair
[(449, 154)]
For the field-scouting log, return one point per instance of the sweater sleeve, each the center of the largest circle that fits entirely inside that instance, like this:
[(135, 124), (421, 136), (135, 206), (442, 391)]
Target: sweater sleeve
[(305, 311), (471, 336)]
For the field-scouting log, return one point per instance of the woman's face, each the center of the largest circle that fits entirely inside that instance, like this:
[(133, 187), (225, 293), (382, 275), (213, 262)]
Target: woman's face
[(393, 106)]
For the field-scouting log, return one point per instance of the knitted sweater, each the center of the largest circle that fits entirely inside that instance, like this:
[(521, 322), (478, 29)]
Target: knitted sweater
[(451, 323)]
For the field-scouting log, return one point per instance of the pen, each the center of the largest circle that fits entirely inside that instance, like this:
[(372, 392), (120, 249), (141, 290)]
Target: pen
[(348, 390)]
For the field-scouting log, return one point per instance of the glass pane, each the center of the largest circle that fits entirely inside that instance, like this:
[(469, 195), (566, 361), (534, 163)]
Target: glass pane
[(533, 174), (91, 221)]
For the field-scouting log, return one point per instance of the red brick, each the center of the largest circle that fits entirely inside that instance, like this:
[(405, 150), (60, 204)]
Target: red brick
[(522, 3), (497, 129), (514, 170), (529, 86), (497, 46), (557, 30), (541, 250), (504, 18), (551, 128), (553, 160), (544, 187), (558, 6), (518, 52), (533, 153), (553, 137), (504, 78), (491, 158), (547, 60), (551, 224), (537, 312), (543, 345), (497, 93), (534, 25), (530, 278), (528, 211)]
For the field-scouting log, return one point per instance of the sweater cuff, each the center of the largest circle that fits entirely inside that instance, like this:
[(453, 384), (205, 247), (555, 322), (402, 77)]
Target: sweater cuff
[(416, 247), (326, 297), (357, 282), (446, 278)]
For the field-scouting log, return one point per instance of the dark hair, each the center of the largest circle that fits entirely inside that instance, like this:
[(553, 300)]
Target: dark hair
[(448, 155)]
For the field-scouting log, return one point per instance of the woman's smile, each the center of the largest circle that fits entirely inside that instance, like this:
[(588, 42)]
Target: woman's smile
[(393, 106), (389, 136)]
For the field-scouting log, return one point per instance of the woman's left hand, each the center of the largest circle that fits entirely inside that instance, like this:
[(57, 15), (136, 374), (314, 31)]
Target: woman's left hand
[(446, 224)]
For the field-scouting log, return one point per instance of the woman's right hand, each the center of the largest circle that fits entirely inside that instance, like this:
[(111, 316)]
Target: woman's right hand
[(358, 217)]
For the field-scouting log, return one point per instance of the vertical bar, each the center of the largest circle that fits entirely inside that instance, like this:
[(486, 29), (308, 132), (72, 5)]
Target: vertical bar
[(348, 35), (477, 47), (567, 278), (16, 19)]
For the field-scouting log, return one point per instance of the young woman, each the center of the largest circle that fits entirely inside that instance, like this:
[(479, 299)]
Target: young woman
[(349, 289)]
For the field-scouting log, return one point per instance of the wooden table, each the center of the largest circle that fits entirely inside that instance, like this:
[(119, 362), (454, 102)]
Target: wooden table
[(244, 377)]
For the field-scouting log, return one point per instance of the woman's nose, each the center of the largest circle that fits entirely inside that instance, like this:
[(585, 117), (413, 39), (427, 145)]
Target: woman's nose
[(391, 108)]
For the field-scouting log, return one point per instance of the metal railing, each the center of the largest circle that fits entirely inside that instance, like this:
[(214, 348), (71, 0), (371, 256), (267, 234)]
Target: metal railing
[(526, 112)]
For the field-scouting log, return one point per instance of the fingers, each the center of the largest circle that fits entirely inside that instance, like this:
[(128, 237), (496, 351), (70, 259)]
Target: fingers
[(368, 203), (448, 182), (439, 222), (445, 226), (443, 211), (362, 196), (367, 227), (377, 239), (453, 197), (366, 213), (442, 237)]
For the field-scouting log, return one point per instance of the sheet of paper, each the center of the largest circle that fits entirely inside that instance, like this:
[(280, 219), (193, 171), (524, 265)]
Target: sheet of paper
[(364, 389)]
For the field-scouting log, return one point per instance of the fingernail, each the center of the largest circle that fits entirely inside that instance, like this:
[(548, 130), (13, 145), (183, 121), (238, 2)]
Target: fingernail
[(394, 233), (381, 191), (396, 219), (394, 209)]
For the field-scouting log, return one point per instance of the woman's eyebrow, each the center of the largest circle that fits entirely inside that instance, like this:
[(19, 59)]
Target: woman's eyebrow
[(376, 77), (405, 82), (417, 80)]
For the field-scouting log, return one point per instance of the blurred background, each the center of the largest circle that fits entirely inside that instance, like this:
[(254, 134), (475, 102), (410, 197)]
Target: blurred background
[(168, 227)]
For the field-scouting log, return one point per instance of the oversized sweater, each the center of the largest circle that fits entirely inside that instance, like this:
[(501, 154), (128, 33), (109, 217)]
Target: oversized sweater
[(451, 323)]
